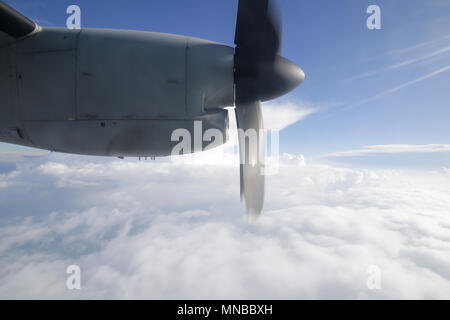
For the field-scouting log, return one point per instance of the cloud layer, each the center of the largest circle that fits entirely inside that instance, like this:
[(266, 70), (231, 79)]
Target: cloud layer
[(162, 229)]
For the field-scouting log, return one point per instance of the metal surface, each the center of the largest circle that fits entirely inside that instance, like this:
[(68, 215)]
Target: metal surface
[(60, 89)]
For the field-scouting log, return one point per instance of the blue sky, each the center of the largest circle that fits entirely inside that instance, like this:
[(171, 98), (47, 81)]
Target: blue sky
[(330, 41)]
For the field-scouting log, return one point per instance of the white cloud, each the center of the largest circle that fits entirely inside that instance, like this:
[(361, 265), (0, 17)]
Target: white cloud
[(392, 149), (169, 230), (278, 116)]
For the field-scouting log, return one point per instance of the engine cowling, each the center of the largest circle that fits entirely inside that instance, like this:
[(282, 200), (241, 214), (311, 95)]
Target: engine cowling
[(119, 93)]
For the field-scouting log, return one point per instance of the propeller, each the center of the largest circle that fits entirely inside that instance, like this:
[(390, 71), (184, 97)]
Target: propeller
[(260, 75)]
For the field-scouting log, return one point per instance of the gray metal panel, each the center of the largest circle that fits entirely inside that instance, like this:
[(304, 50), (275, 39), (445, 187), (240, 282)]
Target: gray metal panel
[(47, 85), (48, 39), (130, 138), (7, 84), (5, 39), (11, 129), (210, 76), (46, 69), (131, 75)]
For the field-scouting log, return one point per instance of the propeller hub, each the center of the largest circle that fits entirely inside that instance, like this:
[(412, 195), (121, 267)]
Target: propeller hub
[(282, 77), (266, 80)]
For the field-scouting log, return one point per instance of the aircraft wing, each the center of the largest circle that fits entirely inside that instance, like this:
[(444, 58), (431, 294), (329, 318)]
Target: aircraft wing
[(13, 25)]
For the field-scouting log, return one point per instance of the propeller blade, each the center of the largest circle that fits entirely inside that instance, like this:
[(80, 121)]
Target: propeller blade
[(251, 149), (258, 29), (260, 74)]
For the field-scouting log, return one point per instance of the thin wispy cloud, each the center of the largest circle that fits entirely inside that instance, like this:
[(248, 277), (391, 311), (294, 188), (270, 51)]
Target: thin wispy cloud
[(400, 87), (419, 45), (408, 50), (392, 149), (402, 64)]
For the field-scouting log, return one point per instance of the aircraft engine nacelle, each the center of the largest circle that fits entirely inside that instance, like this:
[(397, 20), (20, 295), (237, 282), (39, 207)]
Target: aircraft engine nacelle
[(113, 92)]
